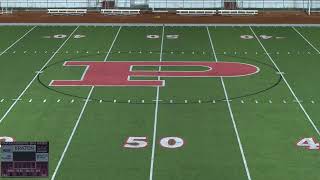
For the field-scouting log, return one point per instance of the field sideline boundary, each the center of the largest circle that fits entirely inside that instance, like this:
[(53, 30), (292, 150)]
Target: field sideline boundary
[(160, 25)]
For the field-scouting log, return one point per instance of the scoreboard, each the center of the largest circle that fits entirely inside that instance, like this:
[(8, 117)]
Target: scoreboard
[(24, 159)]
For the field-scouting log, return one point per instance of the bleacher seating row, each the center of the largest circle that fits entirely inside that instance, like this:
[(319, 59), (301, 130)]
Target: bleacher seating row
[(196, 12), (67, 11), (238, 12), (193, 12), (117, 12), (5, 11), (126, 12)]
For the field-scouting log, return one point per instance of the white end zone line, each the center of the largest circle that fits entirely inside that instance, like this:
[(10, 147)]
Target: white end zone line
[(156, 114), (17, 41), (306, 40), (81, 113), (231, 113), (35, 77), (284, 79)]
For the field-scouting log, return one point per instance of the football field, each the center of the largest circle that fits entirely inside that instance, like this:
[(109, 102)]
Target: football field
[(165, 102)]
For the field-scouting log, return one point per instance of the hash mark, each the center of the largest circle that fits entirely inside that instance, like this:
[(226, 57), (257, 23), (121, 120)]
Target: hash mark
[(129, 101), (114, 101), (100, 101), (270, 101), (256, 101), (72, 101), (185, 101), (30, 100), (2, 100), (58, 100), (242, 101), (312, 102), (45, 100), (300, 101), (284, 101)]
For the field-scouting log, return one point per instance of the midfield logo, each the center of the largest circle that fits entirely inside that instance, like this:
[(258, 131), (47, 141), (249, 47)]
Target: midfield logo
[(113, 73)]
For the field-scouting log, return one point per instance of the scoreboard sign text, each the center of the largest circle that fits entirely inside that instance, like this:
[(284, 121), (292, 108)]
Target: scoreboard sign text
[(24, 159)]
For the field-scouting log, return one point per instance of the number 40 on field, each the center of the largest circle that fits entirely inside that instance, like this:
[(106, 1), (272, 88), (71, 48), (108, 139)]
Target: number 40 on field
[(309, 143)]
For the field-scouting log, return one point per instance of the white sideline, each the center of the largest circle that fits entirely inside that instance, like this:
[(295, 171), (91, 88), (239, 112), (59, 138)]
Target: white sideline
[(35, 77), (156, 114), (80, 115), (306, 40), (17, 41), (231, 113), (284, 79)]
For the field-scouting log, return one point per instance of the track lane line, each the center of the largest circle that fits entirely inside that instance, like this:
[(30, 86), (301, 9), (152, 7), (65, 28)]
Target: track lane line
[(81, 114), (306, 40), (17, 40), (231, 113), (284, 79), (156, 114), (35, 77)]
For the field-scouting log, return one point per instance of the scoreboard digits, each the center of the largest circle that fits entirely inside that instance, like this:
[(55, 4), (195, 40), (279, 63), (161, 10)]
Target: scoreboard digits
[(24, 159)]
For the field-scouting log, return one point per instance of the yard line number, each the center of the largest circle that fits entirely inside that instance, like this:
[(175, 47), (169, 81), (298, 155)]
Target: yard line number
[(6, 139), (134, 142), (308, 143)]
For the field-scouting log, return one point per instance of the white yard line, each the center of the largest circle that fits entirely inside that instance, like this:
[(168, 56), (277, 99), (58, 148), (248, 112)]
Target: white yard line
[(71, 136), (35, 77), (284, 79), (81, 114), (114, 40), (156, 115), (231, 114), (306, 40), (17, 40)]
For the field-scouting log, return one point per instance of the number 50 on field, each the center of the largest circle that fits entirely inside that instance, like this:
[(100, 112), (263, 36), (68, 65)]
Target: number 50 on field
[(141, 142)]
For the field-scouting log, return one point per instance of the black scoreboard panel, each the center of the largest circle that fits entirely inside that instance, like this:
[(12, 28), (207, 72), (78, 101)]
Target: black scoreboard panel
[(24, 159)]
